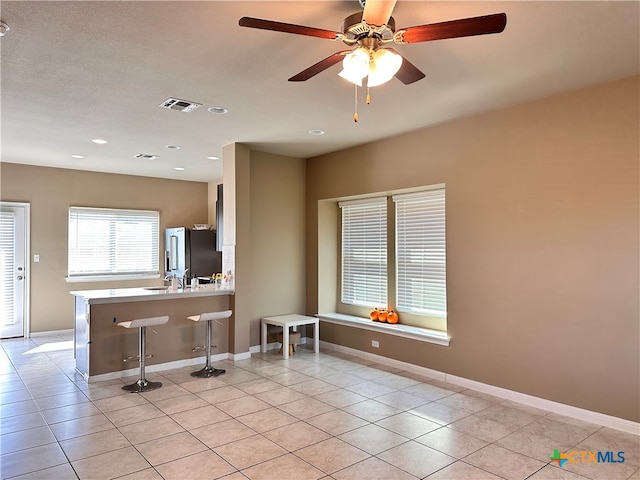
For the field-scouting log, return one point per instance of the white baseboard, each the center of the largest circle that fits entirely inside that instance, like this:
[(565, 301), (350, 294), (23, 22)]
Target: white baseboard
[(240, 356), (536, 402), (544, 404)]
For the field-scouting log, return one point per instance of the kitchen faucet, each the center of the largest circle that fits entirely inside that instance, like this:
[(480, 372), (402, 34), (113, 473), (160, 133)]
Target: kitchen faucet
[(181, 280)]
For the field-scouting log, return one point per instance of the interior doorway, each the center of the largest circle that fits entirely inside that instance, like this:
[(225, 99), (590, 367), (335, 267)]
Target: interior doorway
[(14, 263)]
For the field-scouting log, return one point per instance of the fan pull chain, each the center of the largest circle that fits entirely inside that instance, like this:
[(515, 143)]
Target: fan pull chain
[(368, 96), (355, 104)]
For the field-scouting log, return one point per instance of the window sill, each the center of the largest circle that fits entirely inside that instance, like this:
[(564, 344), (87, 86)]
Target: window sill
[(110, 278), (406, 331)]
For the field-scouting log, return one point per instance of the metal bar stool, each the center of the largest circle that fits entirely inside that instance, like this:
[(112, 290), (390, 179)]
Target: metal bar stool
[(208, 370), (142, 385)]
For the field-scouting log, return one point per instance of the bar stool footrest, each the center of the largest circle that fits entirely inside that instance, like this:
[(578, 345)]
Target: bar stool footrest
[(203, 348), (137, 357)]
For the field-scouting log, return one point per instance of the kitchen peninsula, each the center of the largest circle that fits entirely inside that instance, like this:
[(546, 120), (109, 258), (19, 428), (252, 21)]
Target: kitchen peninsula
[(100, 346)]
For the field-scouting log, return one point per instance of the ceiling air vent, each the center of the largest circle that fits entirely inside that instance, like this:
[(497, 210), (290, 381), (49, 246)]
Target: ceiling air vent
[(181, 105), (146, 156)]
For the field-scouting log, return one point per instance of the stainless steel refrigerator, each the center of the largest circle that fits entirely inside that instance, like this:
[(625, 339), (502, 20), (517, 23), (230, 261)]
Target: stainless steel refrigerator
[(191, 253)]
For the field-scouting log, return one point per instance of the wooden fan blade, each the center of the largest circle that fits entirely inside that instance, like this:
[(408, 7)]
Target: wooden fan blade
[(321, 66), (286, 28), (377, 12), (464, 27), (408, 72)]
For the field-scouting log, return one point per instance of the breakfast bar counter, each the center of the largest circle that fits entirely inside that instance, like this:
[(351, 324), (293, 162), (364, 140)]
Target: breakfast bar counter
[(140, 294), (100, 345)]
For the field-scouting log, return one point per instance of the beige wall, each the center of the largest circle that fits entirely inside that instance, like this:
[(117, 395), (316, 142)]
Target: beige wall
[(277, 237), (542, 243), (269, 235), (51, 192)]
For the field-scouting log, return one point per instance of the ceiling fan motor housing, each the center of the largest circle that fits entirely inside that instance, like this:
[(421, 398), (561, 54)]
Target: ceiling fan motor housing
[(354, 28)]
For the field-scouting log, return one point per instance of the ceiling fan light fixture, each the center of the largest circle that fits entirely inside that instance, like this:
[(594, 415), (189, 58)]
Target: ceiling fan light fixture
[(384, 65), (355, 65), (348, 76)]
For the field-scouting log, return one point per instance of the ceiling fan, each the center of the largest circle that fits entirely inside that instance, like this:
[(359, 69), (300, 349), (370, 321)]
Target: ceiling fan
[(368, 33)]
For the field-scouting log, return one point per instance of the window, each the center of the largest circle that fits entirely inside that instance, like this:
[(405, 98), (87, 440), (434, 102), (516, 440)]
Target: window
[(113, 243), (421, 253), (411, 278), (364, 252)]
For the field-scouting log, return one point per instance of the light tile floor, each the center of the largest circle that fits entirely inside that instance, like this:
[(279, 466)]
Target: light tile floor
[(314, 416)]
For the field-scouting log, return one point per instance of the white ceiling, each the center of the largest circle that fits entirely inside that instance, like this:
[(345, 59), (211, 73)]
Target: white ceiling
[(72, 71)]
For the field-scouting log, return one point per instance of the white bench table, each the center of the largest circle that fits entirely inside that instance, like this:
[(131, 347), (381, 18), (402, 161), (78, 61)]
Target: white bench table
[(286, 321)]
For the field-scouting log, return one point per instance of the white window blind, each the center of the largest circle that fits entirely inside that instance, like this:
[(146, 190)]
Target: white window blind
[(110, 242), (7, 269), (421, 253), (364, 252)]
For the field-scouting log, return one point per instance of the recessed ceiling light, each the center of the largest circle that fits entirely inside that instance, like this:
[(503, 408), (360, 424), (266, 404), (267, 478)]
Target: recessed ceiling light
[(77, 156), (316, 132), (173, 147), (218, 110), (99, 141), (213, 157), (179, 168)]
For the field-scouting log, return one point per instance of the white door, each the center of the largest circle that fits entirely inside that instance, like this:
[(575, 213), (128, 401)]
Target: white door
[(13, 268)]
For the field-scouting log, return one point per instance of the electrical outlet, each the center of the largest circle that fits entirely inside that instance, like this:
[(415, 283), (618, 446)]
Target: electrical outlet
[(375, 344)]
